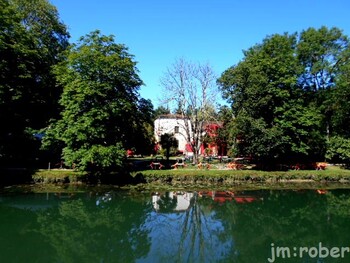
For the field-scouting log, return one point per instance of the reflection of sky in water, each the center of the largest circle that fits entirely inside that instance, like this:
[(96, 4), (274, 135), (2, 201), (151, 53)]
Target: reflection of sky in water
[(191, 235)]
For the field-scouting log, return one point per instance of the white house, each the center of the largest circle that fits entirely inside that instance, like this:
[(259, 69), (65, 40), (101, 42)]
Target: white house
[(173, 124), (177, 126)]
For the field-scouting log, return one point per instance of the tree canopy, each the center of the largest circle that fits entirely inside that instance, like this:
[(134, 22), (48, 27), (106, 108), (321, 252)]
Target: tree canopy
[(31, 39), (101, 106), (289, 95), (281, 95)]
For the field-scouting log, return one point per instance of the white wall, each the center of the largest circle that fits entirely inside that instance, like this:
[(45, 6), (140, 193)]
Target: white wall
[(166, 124)]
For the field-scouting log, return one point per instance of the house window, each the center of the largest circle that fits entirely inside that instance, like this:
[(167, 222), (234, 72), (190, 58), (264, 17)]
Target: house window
[(176, 129)]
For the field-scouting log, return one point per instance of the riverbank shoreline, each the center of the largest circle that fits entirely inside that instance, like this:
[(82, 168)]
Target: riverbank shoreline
[(66, 180), (185, 177)]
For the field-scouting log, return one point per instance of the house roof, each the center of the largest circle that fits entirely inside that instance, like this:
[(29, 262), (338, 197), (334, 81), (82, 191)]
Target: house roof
[(179, 116), (171, 116)]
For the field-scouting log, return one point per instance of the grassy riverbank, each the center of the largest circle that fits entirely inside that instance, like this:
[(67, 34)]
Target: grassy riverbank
[(58, 176), (230, 176), (202, 176)]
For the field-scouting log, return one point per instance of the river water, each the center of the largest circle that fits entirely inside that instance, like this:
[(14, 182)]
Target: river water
[(176, 226)]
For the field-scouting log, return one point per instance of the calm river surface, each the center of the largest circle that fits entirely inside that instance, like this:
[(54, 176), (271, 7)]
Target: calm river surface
[(198, 226)]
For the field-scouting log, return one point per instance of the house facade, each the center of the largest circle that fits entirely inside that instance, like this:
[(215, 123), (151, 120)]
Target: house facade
[(213, 147), (176, 125)]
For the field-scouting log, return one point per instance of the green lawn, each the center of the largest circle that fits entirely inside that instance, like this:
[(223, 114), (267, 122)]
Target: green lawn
[(57, 176), (330, 174), (191, 175)]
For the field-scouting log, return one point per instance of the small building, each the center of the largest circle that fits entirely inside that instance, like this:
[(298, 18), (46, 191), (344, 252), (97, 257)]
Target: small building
[(176, 125)]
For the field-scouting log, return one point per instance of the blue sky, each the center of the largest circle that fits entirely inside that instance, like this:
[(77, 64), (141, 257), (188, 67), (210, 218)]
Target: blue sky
[(216, 31)]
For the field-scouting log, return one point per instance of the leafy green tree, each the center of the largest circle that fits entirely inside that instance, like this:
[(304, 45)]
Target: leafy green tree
[(144, 139), (161, 110), (280, 92), (31, 39), (339, 101), (262, 88), (320, 51), (323, 55), (338, 118), (338, 150), (101, 114), (168, 141)]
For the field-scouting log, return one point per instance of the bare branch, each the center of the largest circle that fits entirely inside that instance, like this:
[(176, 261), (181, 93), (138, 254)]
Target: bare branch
[(191, 90)]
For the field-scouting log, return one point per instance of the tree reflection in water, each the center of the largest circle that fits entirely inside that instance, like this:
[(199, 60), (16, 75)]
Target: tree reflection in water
[(240, 227), (101, 230), (203, 226), (184, 229)]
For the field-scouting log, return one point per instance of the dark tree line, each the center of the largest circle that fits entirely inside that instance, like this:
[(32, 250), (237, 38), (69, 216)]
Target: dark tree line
[(31, 39)]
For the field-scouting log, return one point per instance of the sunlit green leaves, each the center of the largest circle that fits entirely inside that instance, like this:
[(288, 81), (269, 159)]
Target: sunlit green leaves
[(338, 150), (100, 104), (319, 51), (284, 97)]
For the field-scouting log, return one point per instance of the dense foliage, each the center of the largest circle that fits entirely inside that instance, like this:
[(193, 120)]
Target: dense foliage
[(101, 107), (31, 38), (289, 96), (168, 142), (285, 96)]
